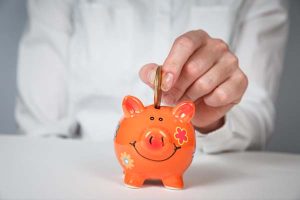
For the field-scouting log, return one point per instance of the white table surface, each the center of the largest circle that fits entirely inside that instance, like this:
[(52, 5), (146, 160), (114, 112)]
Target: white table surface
[(39, 168)]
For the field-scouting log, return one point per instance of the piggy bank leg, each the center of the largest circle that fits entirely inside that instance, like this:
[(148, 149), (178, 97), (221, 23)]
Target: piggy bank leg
[(173, 182), (133, 180)]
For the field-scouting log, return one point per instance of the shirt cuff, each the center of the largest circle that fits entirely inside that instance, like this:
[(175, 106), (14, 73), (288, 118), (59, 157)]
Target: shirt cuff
[(215, 141)]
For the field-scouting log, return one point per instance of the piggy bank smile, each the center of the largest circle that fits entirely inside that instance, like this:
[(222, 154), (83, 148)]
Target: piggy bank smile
[(155, 143)]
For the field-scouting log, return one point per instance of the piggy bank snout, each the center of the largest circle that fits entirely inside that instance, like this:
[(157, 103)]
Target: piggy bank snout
[(155, 139)]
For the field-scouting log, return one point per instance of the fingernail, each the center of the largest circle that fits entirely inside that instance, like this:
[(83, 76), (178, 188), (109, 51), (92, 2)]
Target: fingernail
[(151, 76), (167, 82)]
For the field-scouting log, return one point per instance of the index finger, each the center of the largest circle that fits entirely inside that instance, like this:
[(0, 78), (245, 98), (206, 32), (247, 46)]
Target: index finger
[(183, 47)]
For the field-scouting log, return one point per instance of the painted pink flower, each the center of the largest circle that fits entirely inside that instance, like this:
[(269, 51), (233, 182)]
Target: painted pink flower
[(181, 135)]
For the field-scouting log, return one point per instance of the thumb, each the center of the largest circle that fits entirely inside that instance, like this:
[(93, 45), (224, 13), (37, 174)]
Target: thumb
[(147, 73)]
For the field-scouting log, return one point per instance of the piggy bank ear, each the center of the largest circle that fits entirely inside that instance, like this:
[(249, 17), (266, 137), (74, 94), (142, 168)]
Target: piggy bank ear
[(184, 111), (132, 106)]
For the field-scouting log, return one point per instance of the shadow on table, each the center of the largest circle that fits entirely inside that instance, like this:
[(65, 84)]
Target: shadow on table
[(206, 174), (203, 174), (215, 170)]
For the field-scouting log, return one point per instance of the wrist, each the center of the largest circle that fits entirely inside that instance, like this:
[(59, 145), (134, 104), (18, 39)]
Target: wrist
[(211, 127)]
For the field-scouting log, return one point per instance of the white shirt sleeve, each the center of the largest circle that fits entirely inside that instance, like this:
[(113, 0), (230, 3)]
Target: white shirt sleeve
[(42, 68), (259, 43)]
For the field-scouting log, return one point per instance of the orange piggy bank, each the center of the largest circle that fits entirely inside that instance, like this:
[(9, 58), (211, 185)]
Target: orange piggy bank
[(155, 143)]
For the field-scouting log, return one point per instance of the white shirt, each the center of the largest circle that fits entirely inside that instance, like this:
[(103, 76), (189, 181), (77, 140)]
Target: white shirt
[(78, 59)]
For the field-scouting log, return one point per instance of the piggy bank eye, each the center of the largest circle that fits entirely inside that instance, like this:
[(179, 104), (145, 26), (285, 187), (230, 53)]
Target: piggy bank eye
[(151, 118), (160, 119)]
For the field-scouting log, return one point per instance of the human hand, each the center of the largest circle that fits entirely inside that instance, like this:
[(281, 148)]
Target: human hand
[(201, 69)]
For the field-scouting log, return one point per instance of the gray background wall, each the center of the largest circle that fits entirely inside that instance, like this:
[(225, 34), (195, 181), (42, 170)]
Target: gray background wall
[(287, 130), (12, 21)]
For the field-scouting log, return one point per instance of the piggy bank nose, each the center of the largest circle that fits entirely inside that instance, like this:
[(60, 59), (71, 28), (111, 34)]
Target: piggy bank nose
[(155, 139)]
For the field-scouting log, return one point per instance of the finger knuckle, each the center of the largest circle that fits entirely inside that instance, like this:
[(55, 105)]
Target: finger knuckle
[(185, 42), (193, 68), (202, 33), (240, 76), (171, 66), (204, 86), (242, 79), (221, 96), (232, 59), (221, 45), (245, 80)]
